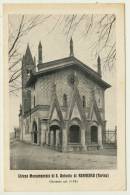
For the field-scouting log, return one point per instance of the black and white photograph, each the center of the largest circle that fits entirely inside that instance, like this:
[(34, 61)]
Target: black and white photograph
[(63, 91), (63, 74)]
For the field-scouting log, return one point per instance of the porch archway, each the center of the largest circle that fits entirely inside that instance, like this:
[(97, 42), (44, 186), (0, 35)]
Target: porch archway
[(94, 134), (55, 134), (74, 134)]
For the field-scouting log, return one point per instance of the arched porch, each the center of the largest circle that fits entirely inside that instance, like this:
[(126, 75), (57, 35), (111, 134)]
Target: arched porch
[(55, 134), (95, 133)]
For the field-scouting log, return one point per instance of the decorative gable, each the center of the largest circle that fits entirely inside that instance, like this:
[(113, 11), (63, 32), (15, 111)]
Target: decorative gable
[(94, 117), (55, 115), (55, 111), (75, 112), (76, 107), (94, 113)]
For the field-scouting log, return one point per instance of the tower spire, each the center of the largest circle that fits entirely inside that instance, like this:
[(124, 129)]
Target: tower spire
[(40, 53), (71, 47), (28, 60), (99, 65)]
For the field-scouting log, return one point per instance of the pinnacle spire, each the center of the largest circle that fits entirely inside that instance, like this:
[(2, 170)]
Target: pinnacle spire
[(99, 65), (40, 45), (71, 47), (28, 56), (40, 53)]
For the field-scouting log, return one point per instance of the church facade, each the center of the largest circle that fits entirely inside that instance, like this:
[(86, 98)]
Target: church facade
[(63, 103)]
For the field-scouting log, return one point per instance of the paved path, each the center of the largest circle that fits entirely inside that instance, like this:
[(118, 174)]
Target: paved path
[(25, 156)]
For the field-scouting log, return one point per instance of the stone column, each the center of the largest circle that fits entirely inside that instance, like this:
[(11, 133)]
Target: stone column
[(43, 132), (51, 138), (64, 139), (83, 139), (57, 137), (100, 137), (32, 137), (48, 137), (103, 132), (38, 132)]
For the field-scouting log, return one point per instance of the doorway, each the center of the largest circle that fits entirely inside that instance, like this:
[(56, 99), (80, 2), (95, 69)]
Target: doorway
[(94, 134), (53, 137), (74, 134)]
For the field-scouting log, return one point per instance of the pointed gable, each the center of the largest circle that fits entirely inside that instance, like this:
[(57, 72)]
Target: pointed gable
[(94, 117), (94, 113), (55, 115), (55, 111), (75, 112), (76, 108)]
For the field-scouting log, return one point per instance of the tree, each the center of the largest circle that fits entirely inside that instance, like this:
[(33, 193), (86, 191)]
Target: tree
[(18, 29), (99, 28)]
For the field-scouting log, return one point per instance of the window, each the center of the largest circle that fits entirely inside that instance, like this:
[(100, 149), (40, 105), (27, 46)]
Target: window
[(64, 100), (84, 102)]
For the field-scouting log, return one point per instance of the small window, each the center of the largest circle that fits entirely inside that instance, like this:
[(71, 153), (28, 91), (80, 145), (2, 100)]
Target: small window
[(84, 102), (64, 100)]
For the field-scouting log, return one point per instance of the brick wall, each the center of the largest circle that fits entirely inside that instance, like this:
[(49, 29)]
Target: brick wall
[(44, 88)]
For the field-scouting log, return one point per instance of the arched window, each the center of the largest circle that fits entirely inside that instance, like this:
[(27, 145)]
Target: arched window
[(84, 101), (64, 100)]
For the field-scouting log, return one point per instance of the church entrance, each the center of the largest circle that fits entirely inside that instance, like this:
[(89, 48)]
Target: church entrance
[(54, 135), (74, 134), (35, 133), (94, 134)]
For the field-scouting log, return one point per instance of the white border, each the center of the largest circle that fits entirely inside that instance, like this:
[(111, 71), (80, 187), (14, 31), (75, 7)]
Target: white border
[(127, 85)]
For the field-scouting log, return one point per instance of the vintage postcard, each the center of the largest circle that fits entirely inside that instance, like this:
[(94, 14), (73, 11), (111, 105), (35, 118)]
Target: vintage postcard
[(64, 91)]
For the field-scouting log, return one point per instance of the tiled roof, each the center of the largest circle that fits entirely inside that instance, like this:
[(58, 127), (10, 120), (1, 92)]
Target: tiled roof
[(49, 67)]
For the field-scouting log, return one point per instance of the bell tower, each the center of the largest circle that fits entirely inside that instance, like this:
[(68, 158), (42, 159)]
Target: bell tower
[(28, 68)]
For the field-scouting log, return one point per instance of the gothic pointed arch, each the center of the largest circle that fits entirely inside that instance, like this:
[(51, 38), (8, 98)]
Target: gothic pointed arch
[(94, 113), (76, 103), (55, 110)]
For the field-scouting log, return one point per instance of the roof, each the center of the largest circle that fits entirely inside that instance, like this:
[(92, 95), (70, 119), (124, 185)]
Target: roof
[(52, 66)]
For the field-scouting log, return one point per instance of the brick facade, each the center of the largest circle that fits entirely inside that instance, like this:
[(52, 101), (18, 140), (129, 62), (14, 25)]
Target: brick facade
[(67, 107)]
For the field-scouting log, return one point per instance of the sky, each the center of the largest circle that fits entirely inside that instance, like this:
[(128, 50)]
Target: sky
[(55, 45)]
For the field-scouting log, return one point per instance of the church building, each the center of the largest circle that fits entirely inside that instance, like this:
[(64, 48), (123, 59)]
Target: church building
[(63, 103)]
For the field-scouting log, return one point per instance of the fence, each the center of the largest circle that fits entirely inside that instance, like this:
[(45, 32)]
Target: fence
[(110, 136)]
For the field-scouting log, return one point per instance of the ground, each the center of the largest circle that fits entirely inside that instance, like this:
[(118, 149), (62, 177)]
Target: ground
[(30, 157)]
